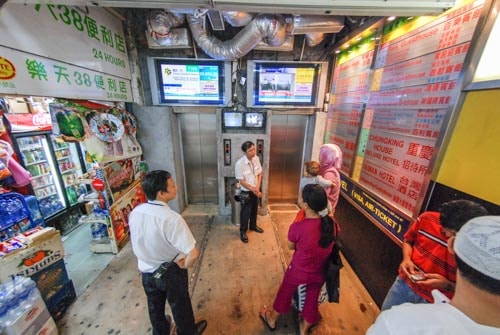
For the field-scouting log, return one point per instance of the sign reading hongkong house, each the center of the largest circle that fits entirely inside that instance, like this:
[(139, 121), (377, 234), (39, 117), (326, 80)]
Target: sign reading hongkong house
[(78, 52)]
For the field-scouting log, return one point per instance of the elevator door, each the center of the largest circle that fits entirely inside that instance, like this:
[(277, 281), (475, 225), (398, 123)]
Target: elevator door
[(285, 162), (200, 157)]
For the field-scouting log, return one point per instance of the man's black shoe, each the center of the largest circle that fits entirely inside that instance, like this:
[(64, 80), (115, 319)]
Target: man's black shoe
[(257, 229), (200, 327), (244, 237)]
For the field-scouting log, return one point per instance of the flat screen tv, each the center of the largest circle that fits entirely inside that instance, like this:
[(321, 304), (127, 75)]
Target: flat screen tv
[(190, 82), (255, 120), (286, 84), (232, 119)]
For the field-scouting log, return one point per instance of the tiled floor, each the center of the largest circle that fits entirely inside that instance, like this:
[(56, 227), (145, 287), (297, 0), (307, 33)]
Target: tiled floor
[(228, 286), (83, 265)]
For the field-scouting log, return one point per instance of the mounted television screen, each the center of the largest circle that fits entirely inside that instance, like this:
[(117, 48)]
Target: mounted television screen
[(232, 119), (286, 84), (255, 120), (190, 82)]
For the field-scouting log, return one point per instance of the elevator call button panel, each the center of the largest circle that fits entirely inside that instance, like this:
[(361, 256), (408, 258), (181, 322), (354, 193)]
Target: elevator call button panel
[(227, 152), (260, 150)]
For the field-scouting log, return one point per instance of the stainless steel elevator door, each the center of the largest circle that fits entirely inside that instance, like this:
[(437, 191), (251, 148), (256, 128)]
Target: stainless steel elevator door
[(285, 162), (199, 148)]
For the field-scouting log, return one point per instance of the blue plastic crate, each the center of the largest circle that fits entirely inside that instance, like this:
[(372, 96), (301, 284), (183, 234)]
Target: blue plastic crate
[(15, 216)]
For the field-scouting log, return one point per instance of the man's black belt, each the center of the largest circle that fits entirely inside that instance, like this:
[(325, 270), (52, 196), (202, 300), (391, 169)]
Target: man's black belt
[(245, 191)]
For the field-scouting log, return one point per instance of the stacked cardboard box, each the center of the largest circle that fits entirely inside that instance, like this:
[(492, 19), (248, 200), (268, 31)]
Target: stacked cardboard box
[(42, 260), (36, 320)]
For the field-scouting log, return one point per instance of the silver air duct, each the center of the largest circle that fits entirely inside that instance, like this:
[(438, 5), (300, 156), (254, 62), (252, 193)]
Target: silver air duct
[(160, 25), (305, 24), (264, 31), (314, 39), (315, 27), (267, 27), (237, 19)]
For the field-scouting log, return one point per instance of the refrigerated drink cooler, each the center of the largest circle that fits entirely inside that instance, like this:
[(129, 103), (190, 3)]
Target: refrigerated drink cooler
[(39, 161), (55, 168)]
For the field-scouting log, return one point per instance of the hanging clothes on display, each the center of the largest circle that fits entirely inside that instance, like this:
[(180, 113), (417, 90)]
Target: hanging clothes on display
[(21, 176)]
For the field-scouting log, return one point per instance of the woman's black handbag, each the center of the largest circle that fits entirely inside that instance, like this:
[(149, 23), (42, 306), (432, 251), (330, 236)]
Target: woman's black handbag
[(333, 270)]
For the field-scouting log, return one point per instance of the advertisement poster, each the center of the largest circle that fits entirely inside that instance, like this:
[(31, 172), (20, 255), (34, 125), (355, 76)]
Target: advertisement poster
[(106, 135), (121, 209), (120, 175)]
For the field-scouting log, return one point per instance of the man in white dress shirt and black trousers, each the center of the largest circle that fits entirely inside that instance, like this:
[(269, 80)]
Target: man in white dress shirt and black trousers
[(165, 248), (248, 172)]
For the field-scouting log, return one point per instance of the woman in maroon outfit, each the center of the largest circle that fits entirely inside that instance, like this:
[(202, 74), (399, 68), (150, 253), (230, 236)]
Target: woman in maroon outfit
[(312, 239)]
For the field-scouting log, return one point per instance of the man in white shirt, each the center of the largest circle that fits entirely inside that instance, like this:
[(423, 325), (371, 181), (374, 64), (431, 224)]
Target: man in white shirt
[(248, 171), (165, 248), (475, 307)]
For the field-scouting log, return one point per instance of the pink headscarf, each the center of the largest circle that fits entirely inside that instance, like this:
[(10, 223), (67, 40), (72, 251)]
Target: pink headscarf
[(330, 160), (330, 155)]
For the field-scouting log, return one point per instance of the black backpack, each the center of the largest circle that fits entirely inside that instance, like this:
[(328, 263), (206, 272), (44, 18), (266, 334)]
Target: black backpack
[(333, 268)]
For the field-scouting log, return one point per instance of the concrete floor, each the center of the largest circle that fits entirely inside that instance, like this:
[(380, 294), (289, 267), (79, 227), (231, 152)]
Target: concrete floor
[(228, 286)]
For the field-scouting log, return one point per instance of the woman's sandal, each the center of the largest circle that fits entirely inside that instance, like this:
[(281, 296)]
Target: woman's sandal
[(263, 316)]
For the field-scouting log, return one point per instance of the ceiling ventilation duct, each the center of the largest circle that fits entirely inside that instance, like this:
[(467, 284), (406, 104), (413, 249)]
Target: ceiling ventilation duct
[(314, 39), (262, 32), (237, 19), (286, 46), (216, 20), (264, 27), (304, 24), (161, 32), (178, 38)]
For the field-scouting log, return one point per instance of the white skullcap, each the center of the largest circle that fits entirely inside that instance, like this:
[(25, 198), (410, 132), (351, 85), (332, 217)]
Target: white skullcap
[(478, 244)]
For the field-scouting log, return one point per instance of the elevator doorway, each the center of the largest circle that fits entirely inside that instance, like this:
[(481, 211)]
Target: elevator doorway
[(285, 157), (199, 149)]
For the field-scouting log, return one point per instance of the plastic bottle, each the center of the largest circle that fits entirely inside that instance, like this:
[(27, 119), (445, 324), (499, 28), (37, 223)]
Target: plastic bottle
[(3, 310), (72, 196), (237, 191), (3, 316), (82, 189), (95, 228), (14, 310), (32, 292), (100, 198), (22, 293)]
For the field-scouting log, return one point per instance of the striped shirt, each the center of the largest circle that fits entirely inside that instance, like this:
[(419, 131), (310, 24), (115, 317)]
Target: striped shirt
[(430, 252)]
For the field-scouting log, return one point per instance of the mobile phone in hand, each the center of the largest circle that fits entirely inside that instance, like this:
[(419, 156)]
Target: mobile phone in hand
[(418, 276)]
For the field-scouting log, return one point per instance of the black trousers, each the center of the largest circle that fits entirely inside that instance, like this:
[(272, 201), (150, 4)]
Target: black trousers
[(248, 214), (172, 287)]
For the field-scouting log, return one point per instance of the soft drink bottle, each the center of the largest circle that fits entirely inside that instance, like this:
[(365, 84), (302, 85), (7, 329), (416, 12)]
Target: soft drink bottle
[(22, 293), (14, 311), (3, 315)]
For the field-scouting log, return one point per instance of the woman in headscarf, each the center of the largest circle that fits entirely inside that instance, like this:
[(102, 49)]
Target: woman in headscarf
[(330, 159)]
